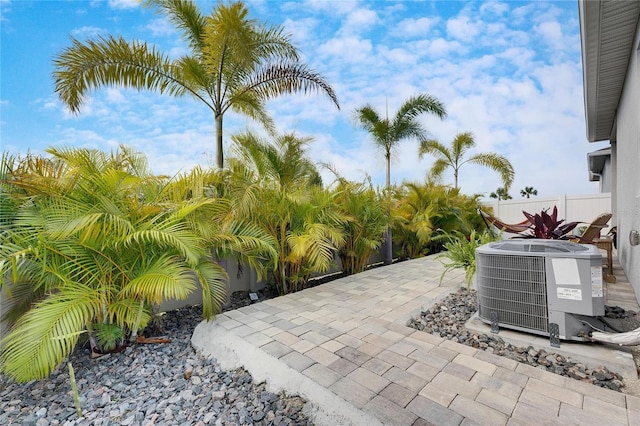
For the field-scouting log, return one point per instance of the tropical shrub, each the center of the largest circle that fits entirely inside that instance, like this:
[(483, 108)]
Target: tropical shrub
[(461, 252), (274, 186), (424, 215), (364, 224), (95, 243)]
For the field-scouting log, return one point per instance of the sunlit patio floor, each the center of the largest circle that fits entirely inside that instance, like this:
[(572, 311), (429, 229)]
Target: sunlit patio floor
[(344, 346)]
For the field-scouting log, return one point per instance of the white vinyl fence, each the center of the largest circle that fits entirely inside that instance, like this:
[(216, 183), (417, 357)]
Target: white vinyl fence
[(580, 208)]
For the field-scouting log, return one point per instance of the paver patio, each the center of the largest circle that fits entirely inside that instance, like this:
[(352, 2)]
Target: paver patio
[(345, 347)]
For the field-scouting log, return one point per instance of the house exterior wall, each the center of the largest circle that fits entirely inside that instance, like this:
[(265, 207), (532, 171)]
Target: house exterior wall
[(626, 155), (605, 178)]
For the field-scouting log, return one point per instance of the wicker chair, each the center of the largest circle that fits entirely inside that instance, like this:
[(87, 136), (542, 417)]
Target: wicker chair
[(593, 235)]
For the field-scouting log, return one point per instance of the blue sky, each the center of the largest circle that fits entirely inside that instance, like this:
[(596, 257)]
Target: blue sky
[(509, 72)]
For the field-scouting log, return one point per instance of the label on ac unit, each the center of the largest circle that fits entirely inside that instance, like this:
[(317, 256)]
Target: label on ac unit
[(596, 281), (569, 293)]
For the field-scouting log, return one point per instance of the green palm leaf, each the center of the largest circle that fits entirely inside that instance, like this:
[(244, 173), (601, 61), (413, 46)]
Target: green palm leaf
[(46, 334)]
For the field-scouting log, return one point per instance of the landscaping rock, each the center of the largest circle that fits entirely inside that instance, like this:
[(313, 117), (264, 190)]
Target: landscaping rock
[(459, 307)]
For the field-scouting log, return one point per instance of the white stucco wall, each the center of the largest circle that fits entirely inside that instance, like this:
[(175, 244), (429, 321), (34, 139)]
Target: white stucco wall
[(605, 179), (627, 163)]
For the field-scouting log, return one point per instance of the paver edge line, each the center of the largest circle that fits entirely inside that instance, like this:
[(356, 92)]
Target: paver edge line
[(230, 351)]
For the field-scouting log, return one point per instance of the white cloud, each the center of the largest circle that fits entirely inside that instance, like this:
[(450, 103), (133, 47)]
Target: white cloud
[(494, 8), (115, 96), (462, 29), (87, 32), (124, 4), (359, 20), (161, 27), (440, 47), (348, 49), (412, 27), (551, 33), (5, 7), (301, 30)]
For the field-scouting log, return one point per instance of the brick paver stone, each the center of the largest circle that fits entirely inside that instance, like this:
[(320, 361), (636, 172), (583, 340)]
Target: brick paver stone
[(369, 380), (343, 367), (427, 357), (561, 394), (502, 403), (390, 413), (615, 412), (405, 379), (353, 355), (425, 371), (322, 375), (377, 366), (297, 361), (395, 359), (352, 392), (478, 412), (433, 412), (398, 395), (475, 364), (531, 415), (276, 349), (322, 356), (575, 415), (542, 402), (286, 338), (460, 371), (302, 346)]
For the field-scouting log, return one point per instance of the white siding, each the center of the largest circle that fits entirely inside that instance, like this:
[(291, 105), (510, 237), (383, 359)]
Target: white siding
[(627, 169)]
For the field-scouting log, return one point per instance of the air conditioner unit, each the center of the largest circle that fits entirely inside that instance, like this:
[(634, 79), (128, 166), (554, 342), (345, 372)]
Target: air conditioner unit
[(546, 287)]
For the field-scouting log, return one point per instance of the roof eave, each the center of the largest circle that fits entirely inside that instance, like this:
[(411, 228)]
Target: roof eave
[(607, 34)]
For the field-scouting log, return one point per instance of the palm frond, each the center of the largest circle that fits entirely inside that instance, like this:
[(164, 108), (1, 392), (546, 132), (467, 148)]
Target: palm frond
[(287, 77), (184, 14), (162, 279), (46, 334), (497, 163), (113, 61)]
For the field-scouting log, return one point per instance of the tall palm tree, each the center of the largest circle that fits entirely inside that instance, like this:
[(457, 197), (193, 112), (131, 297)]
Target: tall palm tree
[(528, 191), (387, 134), (235, 63), (454, 158), (501, 194)]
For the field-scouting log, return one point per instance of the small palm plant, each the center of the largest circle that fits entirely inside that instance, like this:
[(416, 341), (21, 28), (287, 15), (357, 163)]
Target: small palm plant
[(276, 188), (461, 253), (364, 225), (95, 243)]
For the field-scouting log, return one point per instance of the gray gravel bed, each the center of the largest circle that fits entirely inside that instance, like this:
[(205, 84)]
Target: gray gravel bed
[(149, 384), (448, 317)]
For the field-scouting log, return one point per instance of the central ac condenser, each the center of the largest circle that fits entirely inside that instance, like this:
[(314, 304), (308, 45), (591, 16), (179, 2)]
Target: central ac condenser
[(539, 286)]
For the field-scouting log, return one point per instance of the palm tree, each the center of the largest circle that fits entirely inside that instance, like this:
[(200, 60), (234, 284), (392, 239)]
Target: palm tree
[(528, 191), (364, 225), (501, 194), (275, 187), (454, 157), (96, 242), (235, 63), (387, 133)]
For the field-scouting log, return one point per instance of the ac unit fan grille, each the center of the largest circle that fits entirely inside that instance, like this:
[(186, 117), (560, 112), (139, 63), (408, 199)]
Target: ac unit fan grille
[(515, 288)]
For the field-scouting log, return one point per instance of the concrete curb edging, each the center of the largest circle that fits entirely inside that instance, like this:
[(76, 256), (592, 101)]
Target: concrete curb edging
[(230, 351)]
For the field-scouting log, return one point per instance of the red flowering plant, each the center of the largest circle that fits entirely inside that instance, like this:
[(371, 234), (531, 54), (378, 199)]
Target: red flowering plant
[(547, 226)]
